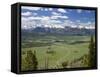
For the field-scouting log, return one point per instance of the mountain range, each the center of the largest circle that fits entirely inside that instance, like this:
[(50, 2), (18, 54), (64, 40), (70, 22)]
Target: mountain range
[(67, 30)]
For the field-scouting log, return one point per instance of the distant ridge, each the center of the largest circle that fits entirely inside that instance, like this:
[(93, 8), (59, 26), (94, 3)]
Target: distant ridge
[(67, 30)]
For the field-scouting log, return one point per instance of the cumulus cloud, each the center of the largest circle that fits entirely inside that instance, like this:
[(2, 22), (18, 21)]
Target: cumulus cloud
[(26, 13), (55, 13), (46, 9), (31, 8), (87, 25), (26, 24), (46, 21), (50, 9), (79, 24), (24, 19), (34, 21), (62, 10), (34, 18), (56, 17)]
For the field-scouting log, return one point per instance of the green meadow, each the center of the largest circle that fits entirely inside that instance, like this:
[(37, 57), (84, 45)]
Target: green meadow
[(52, 51)]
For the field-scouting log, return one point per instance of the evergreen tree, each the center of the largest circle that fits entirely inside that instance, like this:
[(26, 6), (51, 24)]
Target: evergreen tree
[(89, 59), (31, 60), (92, 53)]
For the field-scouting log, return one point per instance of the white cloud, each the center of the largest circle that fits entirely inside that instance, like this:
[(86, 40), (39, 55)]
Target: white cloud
[(50, 9), (87, 25), (26, 13), (79, 11), (68, 23), (24, 19), (56, 17), (53, 21), (90, 27), (46, 21), (27, 19), (45, 17), (55, 13), (46, 9), (31, 8), (62, 10), (26, 24), (34, 18), (66, 17)]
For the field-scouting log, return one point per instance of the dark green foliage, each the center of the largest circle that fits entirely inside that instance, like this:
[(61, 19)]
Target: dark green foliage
[(78, 42), (92, 52), (31, 60), (23, 52), (85, 60), (35, 44), (89, 59), (64, 64)]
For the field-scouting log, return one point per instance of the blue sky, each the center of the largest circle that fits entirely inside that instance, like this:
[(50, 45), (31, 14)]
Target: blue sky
[(57, 16)]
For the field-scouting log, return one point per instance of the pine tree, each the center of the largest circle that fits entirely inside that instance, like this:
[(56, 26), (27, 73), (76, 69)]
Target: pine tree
[(92, 53), (31, 60)]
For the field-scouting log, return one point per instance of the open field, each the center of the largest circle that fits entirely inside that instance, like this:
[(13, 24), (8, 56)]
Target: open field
[(52, 51)]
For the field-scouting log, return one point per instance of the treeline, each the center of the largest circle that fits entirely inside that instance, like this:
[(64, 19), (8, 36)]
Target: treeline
[(35, 44)]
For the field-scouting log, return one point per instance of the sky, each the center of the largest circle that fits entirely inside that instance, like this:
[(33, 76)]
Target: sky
[(32, 17)]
